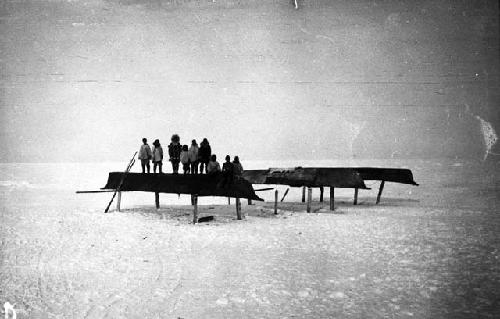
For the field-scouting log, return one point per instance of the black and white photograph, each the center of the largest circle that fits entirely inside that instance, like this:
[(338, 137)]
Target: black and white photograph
[(184, 159)]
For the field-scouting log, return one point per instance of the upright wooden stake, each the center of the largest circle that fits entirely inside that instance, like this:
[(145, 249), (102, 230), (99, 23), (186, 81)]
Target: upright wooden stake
[(303, 194), (332, 198), (238, 209), (241, 212), (157, 200), (380, 191), (355, 196), (118, 202), (250, 202), (229, 200), (321, 190), (309, 199), (276, 202), (195, 209)]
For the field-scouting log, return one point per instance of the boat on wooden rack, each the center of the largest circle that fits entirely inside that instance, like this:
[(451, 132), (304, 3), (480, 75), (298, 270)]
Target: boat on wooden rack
[(333, 177), (241, 187)]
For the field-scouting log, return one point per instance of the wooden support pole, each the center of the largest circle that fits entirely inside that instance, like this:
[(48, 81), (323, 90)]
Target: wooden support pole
[(284, 195), (303, 194), (309, 199), (195, 209), (238, 209), (241, 211), (118, 202), (380, 191), (276, 202), (250, 202), (321, 190), (157, 200), (229, 200), (332, 198), (355, 196)]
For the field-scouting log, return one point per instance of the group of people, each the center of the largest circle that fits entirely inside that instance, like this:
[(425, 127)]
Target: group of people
[(194, 159)]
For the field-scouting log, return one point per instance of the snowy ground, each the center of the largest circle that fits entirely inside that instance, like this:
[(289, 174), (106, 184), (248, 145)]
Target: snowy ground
[(425, 252)]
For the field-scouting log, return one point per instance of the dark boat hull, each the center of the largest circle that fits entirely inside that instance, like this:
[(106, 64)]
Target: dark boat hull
[(310, 177), (395, 175), (338, 177), (201, 184)]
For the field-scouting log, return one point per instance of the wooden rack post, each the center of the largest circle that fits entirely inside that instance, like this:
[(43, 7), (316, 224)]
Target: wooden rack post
[(157, 200), (195, 209), (380, 191), (276, 202), (309, 199), (238, 208), (332, 198), (321, 190), (355, 196), (118, 202), (303, 194)]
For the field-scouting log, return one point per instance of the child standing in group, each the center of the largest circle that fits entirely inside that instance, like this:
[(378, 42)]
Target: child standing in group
[(213, 166), (174, 151), (185, 159), (193, 157), (157, 156)]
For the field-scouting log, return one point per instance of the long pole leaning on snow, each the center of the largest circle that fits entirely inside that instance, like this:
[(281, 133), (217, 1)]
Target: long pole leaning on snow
[(118, 188)]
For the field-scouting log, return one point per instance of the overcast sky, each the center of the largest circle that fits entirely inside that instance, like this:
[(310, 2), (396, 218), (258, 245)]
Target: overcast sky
[(87, 80)]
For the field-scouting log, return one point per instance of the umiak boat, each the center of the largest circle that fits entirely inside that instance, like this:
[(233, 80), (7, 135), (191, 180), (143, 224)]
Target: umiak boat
[(332, 177)]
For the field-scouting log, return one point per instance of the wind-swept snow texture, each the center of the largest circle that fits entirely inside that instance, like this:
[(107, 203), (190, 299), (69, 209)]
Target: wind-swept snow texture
[(424, 252)]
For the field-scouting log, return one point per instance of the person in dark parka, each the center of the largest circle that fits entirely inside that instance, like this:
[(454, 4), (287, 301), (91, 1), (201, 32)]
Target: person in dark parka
[(174, 151), (227, 172), (204, 153), (238, 168)]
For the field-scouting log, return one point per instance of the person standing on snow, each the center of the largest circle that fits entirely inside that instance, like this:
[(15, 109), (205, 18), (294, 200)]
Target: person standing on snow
[(145, 155), (185, 159), (193, 157), (238, 168), (157, 156), (204, 154), (213, 167), (174, 151)]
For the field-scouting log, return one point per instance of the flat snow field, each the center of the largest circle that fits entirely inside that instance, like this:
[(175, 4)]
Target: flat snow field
[(431, 251)]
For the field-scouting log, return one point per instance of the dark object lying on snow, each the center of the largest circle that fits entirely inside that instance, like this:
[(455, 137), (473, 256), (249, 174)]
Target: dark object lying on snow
[(200, 184), (205, 219)]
